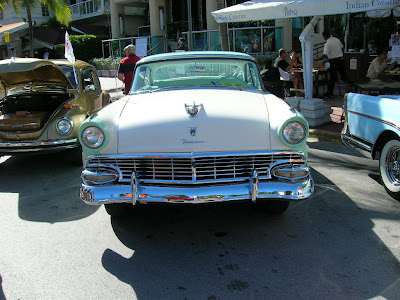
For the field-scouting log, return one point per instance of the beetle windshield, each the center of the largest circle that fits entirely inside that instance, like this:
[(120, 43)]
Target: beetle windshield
[(203, 72), (70, 73)]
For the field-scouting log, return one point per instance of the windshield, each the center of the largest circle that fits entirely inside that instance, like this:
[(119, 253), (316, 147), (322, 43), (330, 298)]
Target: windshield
[(71, 74), (203, 72)]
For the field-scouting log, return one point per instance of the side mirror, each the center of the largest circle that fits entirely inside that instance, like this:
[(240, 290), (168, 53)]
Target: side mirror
[(90, 87)]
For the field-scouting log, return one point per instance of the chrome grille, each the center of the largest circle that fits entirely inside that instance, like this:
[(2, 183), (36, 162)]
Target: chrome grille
[(192, 168)]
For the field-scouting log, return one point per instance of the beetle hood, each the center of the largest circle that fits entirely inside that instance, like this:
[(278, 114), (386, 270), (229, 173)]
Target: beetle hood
[(18, 72), (194, 120)]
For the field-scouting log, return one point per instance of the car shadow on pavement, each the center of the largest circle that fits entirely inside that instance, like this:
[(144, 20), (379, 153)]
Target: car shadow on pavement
[(47, 186), (321, 248)]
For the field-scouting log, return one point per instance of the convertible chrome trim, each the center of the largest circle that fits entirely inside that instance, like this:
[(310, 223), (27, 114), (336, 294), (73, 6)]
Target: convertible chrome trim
[(373, 118), (357, 144)]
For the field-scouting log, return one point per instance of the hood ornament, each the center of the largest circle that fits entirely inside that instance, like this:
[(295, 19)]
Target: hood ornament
[(193, 110)]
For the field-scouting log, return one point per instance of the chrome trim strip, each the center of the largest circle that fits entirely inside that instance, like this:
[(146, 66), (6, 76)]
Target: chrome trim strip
[(355, 143), (38, 144), (196, 154), (19, 125), (373, 118)]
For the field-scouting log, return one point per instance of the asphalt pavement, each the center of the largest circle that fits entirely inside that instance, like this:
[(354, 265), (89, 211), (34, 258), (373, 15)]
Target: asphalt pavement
[(326, 132)]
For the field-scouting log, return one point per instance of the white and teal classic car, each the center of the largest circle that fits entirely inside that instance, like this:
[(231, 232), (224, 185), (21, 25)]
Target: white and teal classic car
[(197, 127), (372, 127)]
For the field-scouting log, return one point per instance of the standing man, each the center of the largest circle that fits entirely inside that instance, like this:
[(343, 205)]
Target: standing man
[(127, 67), (181, 45), (333, 50)]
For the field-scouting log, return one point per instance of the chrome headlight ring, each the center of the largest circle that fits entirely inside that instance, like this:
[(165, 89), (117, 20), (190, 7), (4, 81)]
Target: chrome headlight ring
[(93, 137), (64, 125), (294, 132)]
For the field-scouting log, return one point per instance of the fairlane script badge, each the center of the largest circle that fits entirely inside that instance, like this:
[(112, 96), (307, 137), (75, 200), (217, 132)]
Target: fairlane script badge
[(193, 110)]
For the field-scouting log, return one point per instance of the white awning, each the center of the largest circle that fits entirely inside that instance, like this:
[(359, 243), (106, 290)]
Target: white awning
[(257, 10)]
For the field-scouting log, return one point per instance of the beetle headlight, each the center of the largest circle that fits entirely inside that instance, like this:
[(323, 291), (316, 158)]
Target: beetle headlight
[(93, 137), (294, 132), (64, 126)]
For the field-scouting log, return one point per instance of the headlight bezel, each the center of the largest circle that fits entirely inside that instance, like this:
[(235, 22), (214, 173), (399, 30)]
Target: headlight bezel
[(69, 121), (298, 120), (100, 140)]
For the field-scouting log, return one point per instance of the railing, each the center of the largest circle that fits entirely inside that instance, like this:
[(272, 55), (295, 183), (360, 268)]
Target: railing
[(114, 47), (89, 8)]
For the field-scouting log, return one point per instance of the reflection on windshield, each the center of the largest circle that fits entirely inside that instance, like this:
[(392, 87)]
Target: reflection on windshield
[(199, 72), (69, 72)]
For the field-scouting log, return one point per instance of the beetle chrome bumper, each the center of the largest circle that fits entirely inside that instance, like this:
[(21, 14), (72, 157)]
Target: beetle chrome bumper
[(10, 148), (251, 190)]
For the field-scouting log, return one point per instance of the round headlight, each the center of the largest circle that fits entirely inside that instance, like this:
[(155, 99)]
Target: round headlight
[(294, 132), (93, 137), (64, 126)]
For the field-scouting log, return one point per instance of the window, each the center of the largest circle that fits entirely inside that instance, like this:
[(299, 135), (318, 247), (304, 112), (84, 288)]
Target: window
[(45, 11)]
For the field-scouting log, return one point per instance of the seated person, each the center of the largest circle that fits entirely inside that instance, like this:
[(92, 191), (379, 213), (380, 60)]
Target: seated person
[(272, 79), (296, 62), (379, 65)]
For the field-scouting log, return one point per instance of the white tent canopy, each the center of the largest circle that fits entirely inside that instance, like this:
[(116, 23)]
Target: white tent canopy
[(257, 10), (273, 9)]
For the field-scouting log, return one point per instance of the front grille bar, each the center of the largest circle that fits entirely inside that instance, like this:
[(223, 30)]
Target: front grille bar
[(194, 167)]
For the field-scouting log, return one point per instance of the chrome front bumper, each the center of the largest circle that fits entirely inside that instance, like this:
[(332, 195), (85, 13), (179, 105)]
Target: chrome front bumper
[(10, 148), (251, 190)]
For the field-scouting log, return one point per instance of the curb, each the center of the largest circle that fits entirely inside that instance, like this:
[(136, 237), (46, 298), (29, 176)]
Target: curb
[(324, 135)]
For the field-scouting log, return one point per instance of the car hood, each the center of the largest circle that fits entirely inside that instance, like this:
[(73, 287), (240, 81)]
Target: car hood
[(227, 120), (19, 72)]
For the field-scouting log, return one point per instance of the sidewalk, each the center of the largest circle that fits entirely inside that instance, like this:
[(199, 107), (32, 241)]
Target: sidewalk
[(328, 132)]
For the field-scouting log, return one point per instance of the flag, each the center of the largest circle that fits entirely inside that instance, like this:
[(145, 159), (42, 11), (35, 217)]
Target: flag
[(69, 52)]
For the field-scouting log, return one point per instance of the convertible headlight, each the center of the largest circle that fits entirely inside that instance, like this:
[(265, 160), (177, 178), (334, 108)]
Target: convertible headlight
[(294, 132), (93, 137), (64, 125)]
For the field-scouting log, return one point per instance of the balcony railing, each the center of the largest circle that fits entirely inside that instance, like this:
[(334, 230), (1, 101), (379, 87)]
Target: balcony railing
[(89, 8)]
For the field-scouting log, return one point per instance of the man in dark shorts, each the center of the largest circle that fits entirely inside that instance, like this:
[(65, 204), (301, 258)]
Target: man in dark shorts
[(127, 67)]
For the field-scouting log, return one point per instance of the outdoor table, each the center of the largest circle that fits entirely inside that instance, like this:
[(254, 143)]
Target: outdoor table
[(318, 81), (379, 87)]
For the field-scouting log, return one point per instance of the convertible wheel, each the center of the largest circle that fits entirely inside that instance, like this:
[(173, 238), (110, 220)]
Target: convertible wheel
[(274, 206), (118, 209), (389, 167)]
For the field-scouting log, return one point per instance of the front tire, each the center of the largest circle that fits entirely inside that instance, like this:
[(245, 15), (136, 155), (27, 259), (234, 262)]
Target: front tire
[(389, 168)]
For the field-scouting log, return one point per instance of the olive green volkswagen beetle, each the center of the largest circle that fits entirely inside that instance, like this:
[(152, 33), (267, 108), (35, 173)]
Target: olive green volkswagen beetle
[(43, 103)]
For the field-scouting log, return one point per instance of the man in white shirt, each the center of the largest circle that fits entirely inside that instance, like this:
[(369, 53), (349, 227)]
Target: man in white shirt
[(333, 50), (379, 65)]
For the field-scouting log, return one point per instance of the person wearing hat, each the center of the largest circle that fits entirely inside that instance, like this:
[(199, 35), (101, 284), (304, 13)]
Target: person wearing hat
[(127, 67)]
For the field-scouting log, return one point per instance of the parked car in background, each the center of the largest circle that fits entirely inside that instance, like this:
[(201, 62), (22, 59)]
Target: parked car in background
[(44, 102), (197, 127), (372, 127)]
